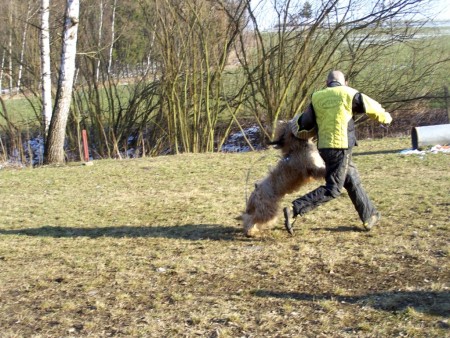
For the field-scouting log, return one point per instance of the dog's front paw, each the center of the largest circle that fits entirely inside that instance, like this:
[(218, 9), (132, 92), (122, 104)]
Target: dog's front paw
[(252, 231)]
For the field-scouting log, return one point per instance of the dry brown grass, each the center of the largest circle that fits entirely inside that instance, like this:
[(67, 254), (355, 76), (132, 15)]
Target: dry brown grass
[(151, 247)]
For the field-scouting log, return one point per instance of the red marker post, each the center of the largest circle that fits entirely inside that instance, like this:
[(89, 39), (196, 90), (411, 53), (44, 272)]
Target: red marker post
[(85, 146)]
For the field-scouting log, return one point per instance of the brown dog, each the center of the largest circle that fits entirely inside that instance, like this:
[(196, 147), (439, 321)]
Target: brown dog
[(300, 164)]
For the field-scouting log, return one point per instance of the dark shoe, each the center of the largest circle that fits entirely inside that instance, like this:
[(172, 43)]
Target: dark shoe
[(289, 220), (372, 221)]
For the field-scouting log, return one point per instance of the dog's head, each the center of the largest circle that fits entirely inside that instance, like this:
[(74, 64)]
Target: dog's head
[(286, 141)]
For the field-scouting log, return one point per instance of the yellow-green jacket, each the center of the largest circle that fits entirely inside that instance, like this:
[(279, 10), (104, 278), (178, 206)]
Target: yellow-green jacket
[(334, 108)]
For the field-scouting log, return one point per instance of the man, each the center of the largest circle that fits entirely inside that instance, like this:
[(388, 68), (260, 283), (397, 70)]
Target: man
[(334, 108)]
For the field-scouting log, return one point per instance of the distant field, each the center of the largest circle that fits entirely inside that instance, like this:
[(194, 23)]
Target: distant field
[(21, 112), (151, 248), (25, 112)]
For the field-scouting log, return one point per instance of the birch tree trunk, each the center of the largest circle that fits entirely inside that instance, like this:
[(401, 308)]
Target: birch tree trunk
[(1, 72), (100, 31), (54, 148), (10, 71), (112, 36), (45, 66), (24, 43)]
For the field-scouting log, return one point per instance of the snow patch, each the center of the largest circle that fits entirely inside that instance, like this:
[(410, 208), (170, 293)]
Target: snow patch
[(236, 142), (433, 150)]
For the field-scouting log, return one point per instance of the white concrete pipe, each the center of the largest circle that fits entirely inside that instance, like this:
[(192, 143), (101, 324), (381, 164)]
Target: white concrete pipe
[(430, 135)]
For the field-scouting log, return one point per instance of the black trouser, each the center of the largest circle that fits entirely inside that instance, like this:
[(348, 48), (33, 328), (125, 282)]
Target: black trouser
[(340, 173)]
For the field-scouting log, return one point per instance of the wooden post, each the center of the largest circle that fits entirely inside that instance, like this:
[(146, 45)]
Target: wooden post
[(85, 146)]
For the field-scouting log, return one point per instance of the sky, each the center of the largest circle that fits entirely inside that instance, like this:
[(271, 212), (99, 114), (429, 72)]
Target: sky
[(265, 13), (443, 7)]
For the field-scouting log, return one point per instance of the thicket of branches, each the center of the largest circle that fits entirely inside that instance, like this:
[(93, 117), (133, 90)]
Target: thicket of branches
[(170, 76)]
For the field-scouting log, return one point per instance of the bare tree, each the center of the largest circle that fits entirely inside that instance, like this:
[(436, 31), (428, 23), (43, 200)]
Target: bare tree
[(290, 61), (195, 40), (54, 148), (45, 66)]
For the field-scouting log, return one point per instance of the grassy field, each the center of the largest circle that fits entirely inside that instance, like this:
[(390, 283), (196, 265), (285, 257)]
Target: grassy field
[(151, 248)]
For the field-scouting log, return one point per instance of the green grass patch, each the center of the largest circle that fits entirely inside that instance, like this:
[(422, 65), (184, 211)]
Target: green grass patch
[(21, 112), (151, 247)]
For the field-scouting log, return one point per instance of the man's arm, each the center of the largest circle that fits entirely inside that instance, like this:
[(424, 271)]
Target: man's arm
[(303, 125), (308, 118), (363, 104), (358, 104)]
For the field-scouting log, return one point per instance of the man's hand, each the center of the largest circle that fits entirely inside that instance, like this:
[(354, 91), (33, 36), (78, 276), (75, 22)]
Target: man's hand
[(387, 119)]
